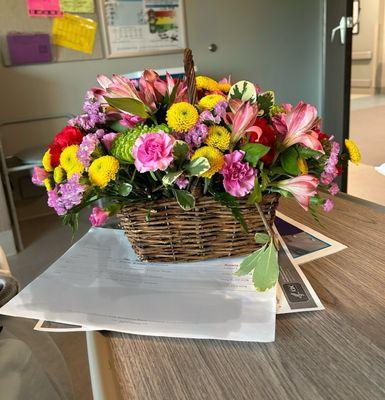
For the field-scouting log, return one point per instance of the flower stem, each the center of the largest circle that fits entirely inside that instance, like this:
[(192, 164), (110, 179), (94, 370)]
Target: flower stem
[(268, 228)]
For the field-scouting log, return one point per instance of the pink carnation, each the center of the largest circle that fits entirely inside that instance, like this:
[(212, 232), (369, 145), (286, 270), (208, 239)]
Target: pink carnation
[(238, 176), (38, 176), (98, 216), (153, 151)]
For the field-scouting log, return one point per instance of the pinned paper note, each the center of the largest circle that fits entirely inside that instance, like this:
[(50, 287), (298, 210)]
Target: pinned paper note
[(77, 6), (29, 48), (74, 32), (44, 8)]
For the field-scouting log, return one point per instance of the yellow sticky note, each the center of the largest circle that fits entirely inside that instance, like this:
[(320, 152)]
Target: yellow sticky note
[(74, 32), (79, 6)]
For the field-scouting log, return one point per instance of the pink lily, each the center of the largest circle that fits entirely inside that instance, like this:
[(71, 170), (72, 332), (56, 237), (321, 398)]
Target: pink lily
[(296, 126), (302, 187), (242, 121)]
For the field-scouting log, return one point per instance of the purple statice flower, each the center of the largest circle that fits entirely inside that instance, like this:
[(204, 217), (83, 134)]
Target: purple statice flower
[(208, 116), (108, 138), (71, 192), (221, 108), (196, 135), (100, 133), (92, 114), (334, 189), (328, 205), (54, 201), (182, 182), (87, 147), (330, 171)]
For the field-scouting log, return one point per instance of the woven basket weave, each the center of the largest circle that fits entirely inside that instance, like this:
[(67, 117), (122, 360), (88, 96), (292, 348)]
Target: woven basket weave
[(207, 231)]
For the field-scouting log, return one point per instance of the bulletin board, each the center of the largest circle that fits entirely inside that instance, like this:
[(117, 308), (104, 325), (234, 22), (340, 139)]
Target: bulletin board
[(15, 18)]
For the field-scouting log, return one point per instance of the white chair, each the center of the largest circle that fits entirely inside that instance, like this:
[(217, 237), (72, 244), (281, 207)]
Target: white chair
[(9, 286)]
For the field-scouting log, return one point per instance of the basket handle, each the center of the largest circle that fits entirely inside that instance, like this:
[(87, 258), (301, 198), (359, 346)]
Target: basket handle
[(189, 70)]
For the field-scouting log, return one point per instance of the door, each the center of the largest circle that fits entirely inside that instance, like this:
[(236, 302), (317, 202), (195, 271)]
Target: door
[(338, 58)]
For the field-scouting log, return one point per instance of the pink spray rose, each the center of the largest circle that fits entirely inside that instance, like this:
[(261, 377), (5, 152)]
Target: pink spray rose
[(38, 176), (238, 176), (108, 138), (153, 151), (98, 216)]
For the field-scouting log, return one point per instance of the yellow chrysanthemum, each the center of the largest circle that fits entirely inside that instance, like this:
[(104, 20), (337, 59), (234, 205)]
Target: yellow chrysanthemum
[(219, 137), (224, 87), (182, 116), (69, 161), (48, 184), (46, 161), (214, 157), (59, 174), (354, 151), (103, 170), (210, 101), (206, 83), (302, 166)]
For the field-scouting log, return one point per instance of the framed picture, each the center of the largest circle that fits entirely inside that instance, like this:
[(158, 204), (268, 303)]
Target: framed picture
[(142, 27), (356, 17)]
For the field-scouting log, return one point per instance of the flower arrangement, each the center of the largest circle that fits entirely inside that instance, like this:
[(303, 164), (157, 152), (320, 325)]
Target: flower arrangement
[(147, 139)]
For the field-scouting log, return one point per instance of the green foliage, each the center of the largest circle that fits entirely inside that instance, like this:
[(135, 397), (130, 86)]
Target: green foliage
[(71, 219), (261, 238), (125, 189), (117, 126), (185, 199), (265, 102), (198, 166), (306, 153), (129, 105), (171, 177), (243, 90), (250, 262), (180, 150), (232, 204), (266, 270), (289, 159), (256, 195), (254, 151)]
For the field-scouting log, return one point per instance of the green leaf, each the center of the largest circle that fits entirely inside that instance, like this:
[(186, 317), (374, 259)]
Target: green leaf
[(198, 166), (243, 90), (185, 199), (171, 177), (180, 150), (250, 262), (254, 151), (261, 238), (289, 160), (265, 180), (116, 126), (266, 271), (125, 189), (265, 101), (305, 152), (129, 105), (256, 194), (232, 204)]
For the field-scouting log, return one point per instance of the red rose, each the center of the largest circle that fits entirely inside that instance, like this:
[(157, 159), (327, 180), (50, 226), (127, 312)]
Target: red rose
[(67, 136), (268, 138), (55, 151), (321, 135)]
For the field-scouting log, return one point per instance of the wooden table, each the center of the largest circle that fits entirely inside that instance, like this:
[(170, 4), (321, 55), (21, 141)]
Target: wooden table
[(338, 353)]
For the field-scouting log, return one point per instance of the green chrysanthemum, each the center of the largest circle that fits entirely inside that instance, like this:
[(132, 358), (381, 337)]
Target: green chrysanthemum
[(123, 144)]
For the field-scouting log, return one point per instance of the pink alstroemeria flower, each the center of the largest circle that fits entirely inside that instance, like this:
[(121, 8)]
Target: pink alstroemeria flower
[(38, 176), (296, 126), (302, 187), (117, 86), (243, 120), (98, 216), (166, 86)]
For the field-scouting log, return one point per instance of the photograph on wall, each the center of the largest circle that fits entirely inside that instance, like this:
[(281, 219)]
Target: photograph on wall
[(138, 27)]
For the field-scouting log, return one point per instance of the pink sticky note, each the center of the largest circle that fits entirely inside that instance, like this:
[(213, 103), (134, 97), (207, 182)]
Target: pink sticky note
[(44, 8)]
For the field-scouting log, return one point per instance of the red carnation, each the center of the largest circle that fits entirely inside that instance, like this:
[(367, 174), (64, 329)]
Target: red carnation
[(55, 151), (321, 135), (267, 138), (68, 136)]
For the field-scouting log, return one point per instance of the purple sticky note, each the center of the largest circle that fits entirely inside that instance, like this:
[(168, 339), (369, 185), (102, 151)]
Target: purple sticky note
[(29, 48)]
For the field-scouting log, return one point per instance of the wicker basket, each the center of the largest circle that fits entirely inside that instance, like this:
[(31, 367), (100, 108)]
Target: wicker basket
[(208, 231)]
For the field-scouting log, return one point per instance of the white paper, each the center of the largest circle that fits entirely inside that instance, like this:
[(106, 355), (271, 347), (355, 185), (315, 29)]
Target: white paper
[(99, 284), (306, 244)]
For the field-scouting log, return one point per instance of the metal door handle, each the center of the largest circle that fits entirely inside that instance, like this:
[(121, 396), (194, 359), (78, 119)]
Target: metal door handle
[(345, 22)]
